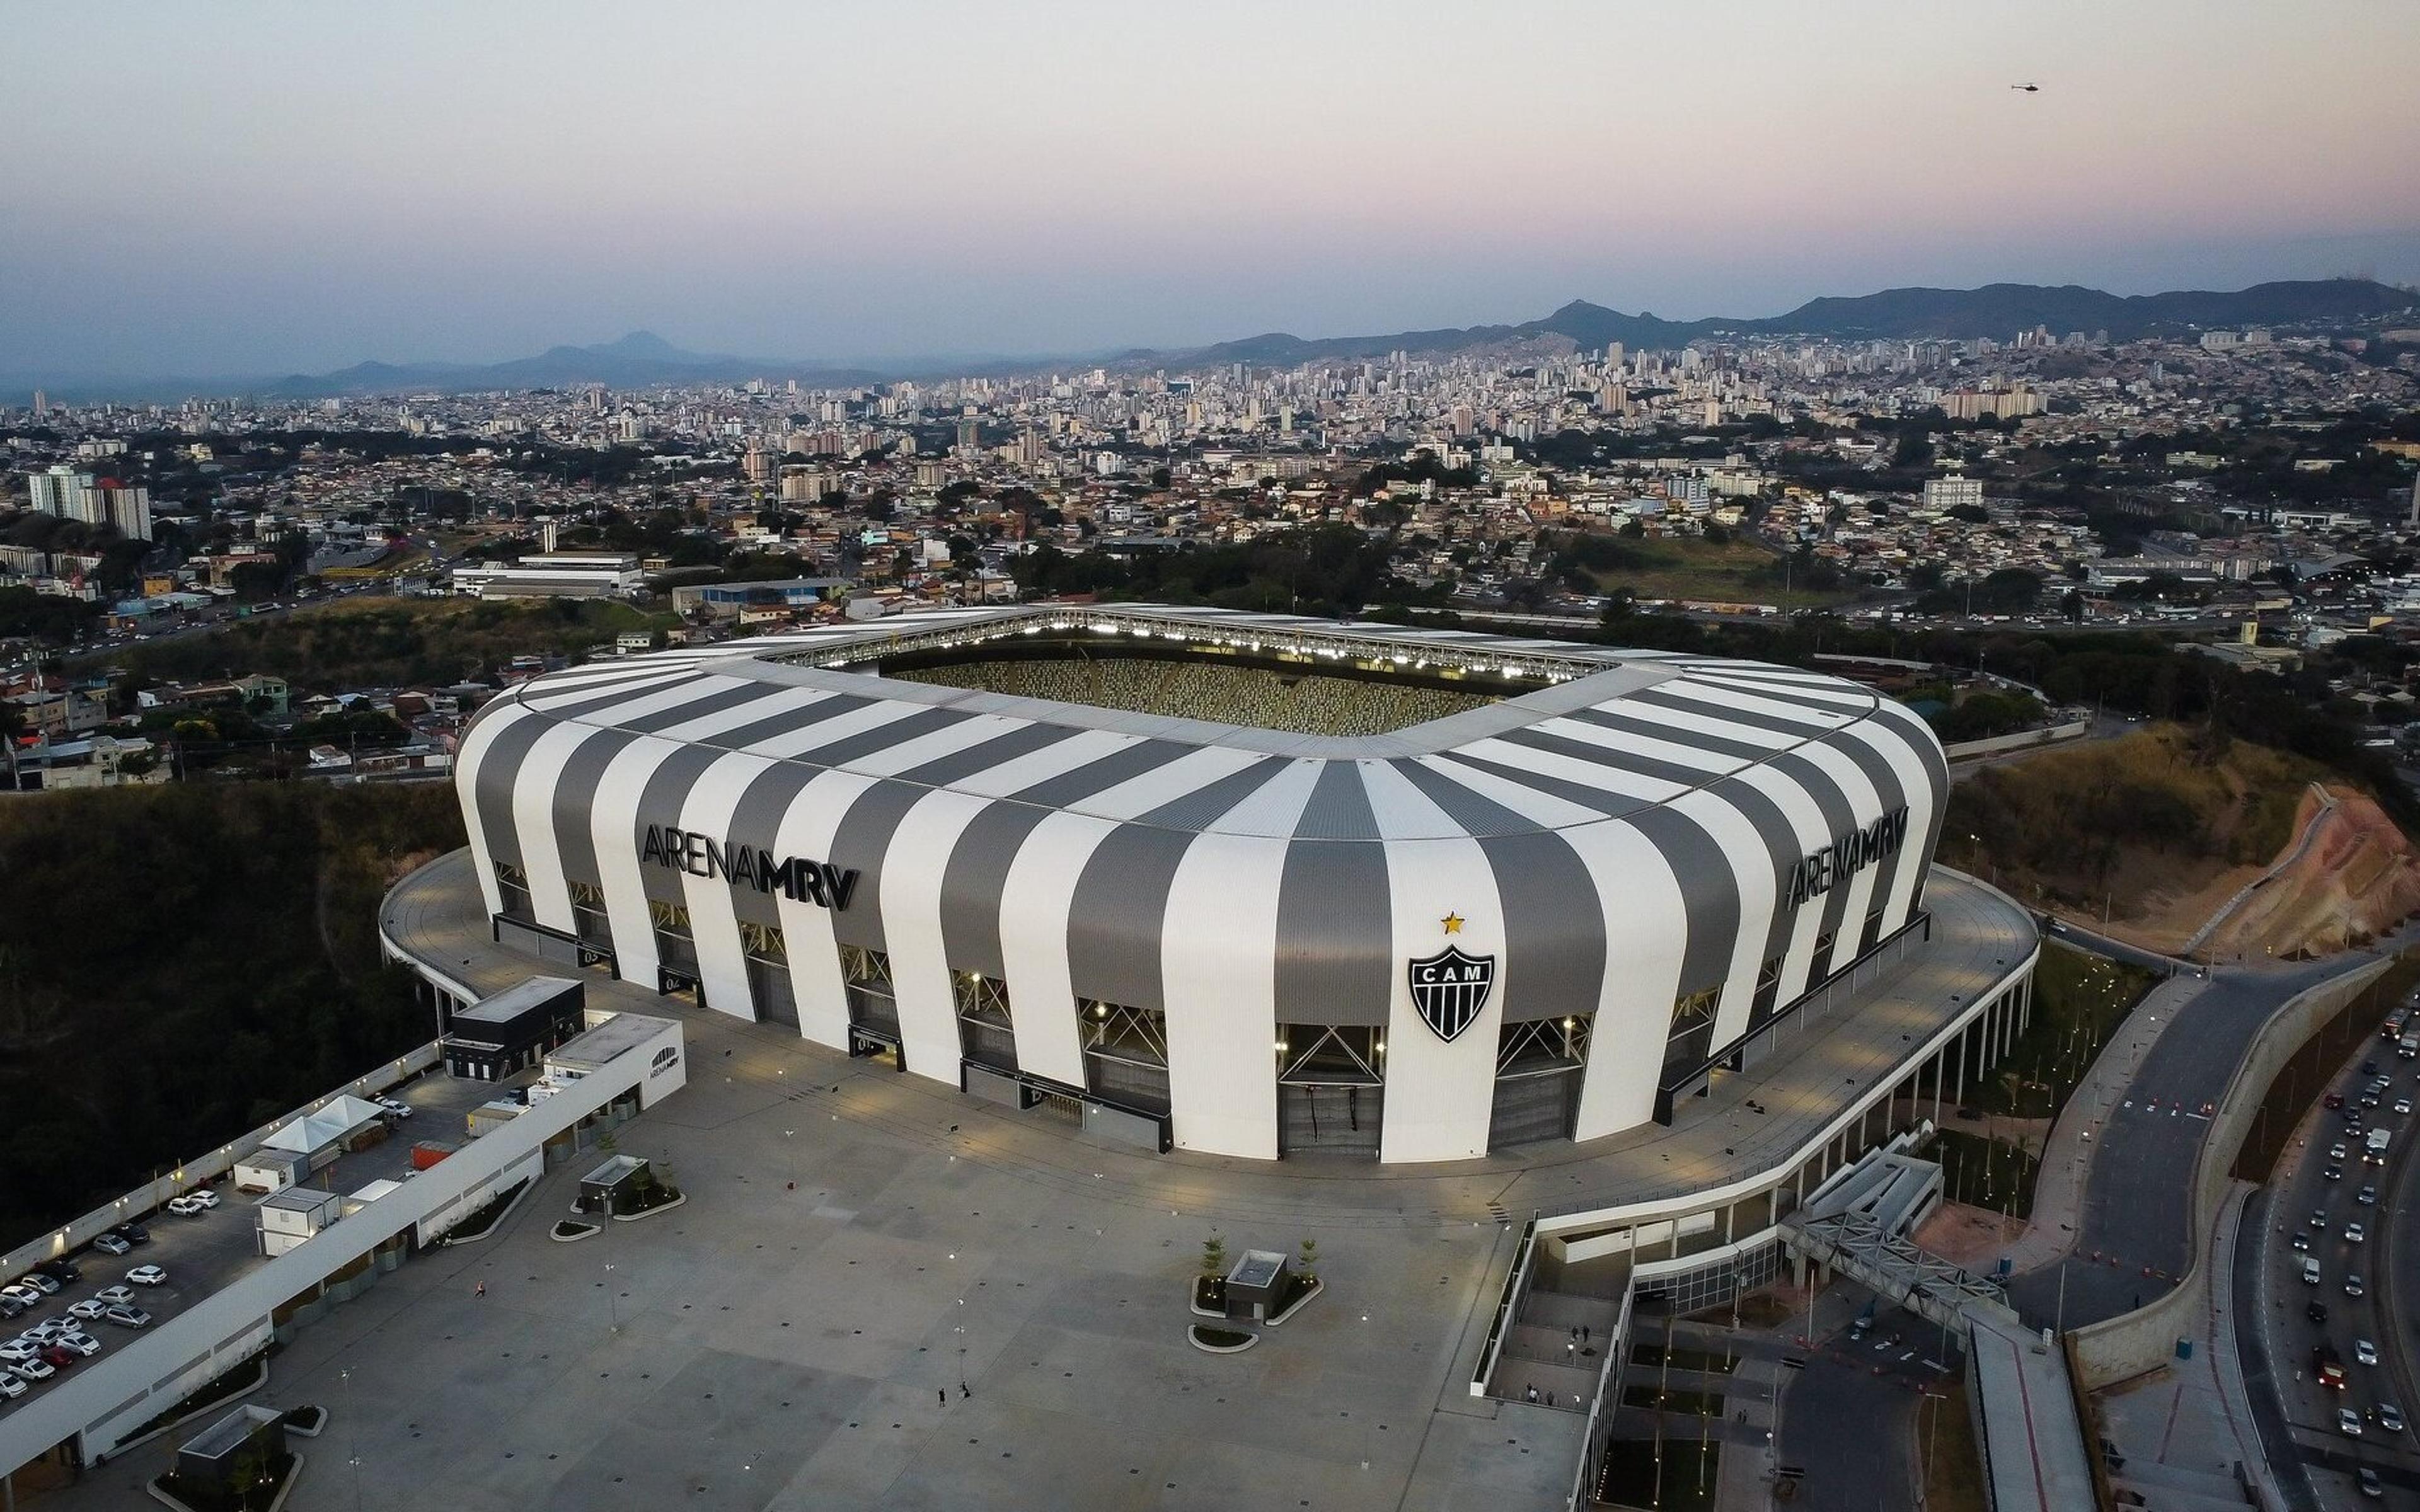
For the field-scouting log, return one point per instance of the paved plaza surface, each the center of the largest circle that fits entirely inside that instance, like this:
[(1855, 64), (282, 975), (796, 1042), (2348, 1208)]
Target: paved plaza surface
[(771, 1346)]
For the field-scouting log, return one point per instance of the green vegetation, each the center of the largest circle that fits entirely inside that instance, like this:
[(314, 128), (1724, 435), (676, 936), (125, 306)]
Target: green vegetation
[(1679, 1475), (1324, 569), (1985, 1172), (2079, 1001), (2165, 806), (384, 642), (1651, 1354), (483, 1218), (1726, 570), (181, 964), (1649, 1396), (257, 1480)]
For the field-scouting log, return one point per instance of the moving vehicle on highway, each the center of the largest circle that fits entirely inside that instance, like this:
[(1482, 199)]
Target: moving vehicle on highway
[(2327, 1366)]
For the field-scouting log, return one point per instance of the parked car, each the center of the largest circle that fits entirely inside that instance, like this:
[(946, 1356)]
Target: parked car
[(11, 1304), (397, 1106), (134, 1233), (186, 1208), (9, 1385), (115, 1296), (17, 1350), (38, 1368), (148, 1276), (128, 1317), (111, 1244), (88, 1309), (63, 1272), (79, 1341), (23, 1293), (41, 1281), (47, 1331)]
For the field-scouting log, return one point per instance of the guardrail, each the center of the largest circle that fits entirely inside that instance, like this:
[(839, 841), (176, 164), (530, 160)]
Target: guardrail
[(1597, 1436), (154, 1194), (1516, 1281), (2022, 740)]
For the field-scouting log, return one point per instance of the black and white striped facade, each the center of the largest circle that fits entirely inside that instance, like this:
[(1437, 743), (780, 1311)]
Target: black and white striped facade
[(1217, 927)]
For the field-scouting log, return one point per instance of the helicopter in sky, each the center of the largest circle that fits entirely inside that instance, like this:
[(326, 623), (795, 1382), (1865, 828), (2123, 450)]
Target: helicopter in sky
[(2028, 89)]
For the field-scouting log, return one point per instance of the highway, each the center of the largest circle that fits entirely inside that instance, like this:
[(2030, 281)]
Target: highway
[(2306, 1205), (2134, 1230)]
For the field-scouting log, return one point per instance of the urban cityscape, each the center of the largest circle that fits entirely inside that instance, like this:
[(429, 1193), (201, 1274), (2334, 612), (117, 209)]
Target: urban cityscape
[(1052, 902)]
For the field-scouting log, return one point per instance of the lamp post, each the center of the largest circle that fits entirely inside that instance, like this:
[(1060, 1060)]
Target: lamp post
[(352, 1436), (613, 1308)]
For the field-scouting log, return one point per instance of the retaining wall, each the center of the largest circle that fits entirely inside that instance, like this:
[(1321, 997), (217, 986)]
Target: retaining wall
[(2127, 1345)]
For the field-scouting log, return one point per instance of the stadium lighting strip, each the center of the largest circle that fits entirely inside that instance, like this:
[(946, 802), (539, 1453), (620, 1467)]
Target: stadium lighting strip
[(1366, 651)]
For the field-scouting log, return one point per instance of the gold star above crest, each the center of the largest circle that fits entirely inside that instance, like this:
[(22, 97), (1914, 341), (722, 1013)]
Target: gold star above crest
[(1452, 923)]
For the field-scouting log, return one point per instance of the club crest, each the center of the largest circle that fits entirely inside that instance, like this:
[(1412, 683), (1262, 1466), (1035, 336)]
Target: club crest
[(1450, 988)]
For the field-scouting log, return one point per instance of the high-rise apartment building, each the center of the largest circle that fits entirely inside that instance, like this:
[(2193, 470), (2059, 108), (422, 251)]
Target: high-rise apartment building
[(1953, 491)]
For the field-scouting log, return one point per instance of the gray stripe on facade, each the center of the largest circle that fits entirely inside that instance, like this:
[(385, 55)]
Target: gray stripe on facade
[(1783, 850), (896, 732), (500, 777), (1708, 708), (1709, 889), (1604, 800), (1913, 732), (786, 722), (1338, 808), (620, 691), (1554, 921), (1096, 776), (987, 754), (975, 883), (1631, 725), (1204, 806), (1840, 817), (663, 802), (1118, 914), (1685, 778), (861, 843), (575, 804), (1335, 933), (757, 820), (698, 709)]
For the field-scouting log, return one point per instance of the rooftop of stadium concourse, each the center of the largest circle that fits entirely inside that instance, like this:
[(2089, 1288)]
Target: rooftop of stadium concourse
[(1749, 1127)]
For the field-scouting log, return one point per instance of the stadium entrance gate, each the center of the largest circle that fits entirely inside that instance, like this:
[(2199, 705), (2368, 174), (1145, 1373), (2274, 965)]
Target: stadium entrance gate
[(1331, 1093)]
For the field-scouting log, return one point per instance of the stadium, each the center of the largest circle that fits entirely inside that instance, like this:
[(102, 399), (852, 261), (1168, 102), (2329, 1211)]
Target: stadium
[(1246, 884)]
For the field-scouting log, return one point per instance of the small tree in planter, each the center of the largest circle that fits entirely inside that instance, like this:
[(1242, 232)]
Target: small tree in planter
[(1210, 1289), (1307, 1264)]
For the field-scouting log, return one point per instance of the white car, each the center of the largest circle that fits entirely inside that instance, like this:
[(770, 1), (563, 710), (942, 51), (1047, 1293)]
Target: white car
[(114, 1297), (88, 1309), (397, 1106), (128, 1317), (2364, 1352), (47, 1286), (2335, 1152), (17, 1352), (112, 1244), (186, 1208), (9, 1385), (2348, 1422), (35, 1369), (2354, 1233), (2403, 1105), (148, 1275), (79, 1341), (47, 1331), (203, 1195)]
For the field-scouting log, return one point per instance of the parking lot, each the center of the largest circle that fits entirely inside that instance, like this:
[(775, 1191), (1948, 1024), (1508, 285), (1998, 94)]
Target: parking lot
[(202, 1253)]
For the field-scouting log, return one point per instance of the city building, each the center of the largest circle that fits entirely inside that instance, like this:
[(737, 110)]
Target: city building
[(554, 574)]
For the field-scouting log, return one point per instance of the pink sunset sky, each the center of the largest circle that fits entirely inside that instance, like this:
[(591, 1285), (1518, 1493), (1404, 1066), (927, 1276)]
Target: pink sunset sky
[(260, 187)]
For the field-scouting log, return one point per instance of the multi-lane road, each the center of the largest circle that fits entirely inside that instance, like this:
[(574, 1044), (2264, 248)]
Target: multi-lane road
[(2303, 1222)]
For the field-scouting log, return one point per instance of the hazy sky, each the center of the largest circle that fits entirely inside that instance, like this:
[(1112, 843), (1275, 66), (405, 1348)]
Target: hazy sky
[(239, 187)]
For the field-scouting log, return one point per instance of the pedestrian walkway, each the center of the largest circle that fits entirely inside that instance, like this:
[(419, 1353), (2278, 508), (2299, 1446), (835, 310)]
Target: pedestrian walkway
[(2067, 1155), (2184, 1435)]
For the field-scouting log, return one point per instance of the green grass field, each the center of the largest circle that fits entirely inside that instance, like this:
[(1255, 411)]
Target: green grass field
[(1730, 571)]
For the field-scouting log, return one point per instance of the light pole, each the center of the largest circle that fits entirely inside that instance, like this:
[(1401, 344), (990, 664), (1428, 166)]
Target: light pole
[(1924, 1487), (789, 1142), (352, 1436), (613, 1308)]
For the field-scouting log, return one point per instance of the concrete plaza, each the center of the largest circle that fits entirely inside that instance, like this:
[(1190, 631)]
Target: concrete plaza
[(765, 1347)]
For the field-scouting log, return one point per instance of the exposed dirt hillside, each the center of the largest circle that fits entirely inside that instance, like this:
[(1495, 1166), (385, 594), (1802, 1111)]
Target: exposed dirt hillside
[(2166, 830)]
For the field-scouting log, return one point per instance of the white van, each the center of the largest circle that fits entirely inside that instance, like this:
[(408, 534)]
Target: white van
[(2310, 1272)]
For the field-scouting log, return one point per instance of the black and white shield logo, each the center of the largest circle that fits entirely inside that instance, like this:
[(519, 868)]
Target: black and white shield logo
[(1450, 988)]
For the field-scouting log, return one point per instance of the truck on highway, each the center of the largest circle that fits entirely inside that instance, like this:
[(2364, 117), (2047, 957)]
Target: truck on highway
[(2408, 1046), (2393, 1027), (2374, 1147)]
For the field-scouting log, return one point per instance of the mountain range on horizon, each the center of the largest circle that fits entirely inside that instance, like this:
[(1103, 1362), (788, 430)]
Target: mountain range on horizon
[(645, 359)]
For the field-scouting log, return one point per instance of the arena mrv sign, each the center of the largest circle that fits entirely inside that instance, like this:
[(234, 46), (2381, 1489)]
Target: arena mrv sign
[(794, 878), (1836, 863)]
